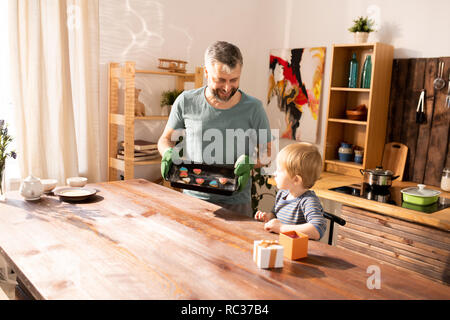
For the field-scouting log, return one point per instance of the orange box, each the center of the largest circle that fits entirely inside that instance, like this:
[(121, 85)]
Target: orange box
[(295, 244)]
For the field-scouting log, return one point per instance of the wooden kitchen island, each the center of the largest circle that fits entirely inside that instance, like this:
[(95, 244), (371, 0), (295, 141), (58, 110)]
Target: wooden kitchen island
[(139, 240)]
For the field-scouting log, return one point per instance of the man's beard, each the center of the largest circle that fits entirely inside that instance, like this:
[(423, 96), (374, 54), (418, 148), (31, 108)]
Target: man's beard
[(215, 93)]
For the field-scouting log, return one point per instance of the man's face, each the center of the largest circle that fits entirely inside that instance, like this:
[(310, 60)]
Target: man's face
[(223, 85)]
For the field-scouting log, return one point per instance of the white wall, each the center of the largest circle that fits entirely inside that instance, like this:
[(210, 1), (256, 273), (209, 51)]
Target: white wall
[(144, 31), (415, 28)]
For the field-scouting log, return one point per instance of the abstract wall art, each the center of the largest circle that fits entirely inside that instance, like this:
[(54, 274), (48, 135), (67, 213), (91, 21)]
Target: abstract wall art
[(295, 88)]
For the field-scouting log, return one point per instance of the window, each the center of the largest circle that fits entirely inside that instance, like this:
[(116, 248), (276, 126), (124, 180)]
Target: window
[(6, 105)]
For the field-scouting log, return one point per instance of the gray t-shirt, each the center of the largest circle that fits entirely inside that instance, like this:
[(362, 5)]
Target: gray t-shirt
[(219, 136)]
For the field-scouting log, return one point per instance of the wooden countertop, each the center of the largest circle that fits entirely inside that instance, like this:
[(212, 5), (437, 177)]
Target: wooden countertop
[(139, 240), (439, 219)]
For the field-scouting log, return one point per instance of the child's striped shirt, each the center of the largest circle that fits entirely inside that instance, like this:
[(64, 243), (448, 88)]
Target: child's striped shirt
[(303, 209)]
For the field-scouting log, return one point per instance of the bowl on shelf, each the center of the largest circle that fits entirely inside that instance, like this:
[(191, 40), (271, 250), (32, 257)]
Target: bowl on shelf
[(358, 113), (76, 181)]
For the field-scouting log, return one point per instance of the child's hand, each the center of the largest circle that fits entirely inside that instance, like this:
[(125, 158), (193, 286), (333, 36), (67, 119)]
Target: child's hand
[(264, 216), (273, 225)]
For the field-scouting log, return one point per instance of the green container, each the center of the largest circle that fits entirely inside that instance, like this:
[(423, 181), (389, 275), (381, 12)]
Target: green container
[(426, 209), (420, 196)]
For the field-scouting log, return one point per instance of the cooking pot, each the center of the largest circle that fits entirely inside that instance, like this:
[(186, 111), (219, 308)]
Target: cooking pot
[(378, 178), (420, 195)]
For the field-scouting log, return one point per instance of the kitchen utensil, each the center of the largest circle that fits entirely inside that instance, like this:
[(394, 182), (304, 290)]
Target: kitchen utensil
[(420, 195), (209, 180), (394, 158), (74, 194), (420, 113), (31, 188), (439, 82), (447, 99), (378, 178)]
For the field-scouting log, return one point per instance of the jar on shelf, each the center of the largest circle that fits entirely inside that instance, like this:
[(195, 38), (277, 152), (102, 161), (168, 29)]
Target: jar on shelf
[(359, 153), (445, 180), (345, 152)]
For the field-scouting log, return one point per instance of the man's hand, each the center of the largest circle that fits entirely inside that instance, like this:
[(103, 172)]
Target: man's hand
[(166, 162), (242, 169)]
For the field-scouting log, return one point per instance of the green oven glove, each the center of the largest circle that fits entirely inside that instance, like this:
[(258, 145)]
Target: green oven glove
[(242, 169), (166, 163)]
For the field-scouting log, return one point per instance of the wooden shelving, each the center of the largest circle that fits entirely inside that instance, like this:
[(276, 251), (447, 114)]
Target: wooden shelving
[(370, 134), (127, 73)]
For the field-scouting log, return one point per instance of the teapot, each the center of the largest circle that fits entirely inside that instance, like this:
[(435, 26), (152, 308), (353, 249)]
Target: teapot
[(31, 188)]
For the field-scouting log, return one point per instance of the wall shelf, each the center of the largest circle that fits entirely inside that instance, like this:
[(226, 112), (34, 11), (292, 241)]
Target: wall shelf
[(127, 72), (370, 134)]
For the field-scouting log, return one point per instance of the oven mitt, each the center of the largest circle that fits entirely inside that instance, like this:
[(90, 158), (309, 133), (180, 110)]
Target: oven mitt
[(242, 169), (166, 163)]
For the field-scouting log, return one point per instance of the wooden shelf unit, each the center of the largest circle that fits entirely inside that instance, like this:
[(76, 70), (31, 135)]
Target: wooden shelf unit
[(127, 73), (369, 134)]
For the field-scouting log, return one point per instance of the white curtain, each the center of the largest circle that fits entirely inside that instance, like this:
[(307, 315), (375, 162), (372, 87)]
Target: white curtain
[(54, 69)]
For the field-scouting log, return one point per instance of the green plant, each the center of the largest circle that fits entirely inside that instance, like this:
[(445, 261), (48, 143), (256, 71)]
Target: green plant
[(362, 24), (259, 180), (168, 97), (5, 140)]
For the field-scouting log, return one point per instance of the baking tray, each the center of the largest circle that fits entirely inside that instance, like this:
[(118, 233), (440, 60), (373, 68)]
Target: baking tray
[(209, 173)]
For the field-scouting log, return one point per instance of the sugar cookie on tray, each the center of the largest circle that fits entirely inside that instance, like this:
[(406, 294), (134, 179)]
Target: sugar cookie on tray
[(213, 184)]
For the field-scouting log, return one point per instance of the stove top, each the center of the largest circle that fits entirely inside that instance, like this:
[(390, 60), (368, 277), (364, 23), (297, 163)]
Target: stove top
[(391, 196)]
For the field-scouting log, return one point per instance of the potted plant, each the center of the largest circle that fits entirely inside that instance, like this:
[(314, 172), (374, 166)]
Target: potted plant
[(168, 98), (5, 140), (361, 28)]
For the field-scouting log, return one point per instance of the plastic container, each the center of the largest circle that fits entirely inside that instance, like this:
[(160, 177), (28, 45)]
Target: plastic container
[(366, 73), (445, 180), (353, 74)]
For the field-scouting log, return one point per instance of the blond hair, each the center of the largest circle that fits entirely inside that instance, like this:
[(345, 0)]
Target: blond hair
[(302, 159)]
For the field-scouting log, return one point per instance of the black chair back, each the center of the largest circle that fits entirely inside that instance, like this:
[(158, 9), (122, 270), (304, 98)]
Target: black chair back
[(333, 218)]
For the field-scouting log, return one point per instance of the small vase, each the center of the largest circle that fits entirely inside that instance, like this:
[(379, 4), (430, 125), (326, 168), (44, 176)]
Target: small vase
[(361, 37), (2, 182)]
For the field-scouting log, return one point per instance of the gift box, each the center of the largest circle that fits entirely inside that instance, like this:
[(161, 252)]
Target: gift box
[(268, 254), (295, 244)]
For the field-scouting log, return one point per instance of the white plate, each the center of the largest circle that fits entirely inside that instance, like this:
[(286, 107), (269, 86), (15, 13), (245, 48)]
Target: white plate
[(74, 193)]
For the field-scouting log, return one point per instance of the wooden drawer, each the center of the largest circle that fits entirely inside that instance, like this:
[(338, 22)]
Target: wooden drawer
[(418, 248)]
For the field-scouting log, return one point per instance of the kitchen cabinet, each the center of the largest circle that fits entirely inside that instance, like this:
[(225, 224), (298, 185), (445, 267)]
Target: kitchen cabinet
[(370, 133), (126, 74), (410, 246)]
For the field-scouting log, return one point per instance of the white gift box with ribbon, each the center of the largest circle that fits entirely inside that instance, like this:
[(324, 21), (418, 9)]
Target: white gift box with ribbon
[(268, 254)]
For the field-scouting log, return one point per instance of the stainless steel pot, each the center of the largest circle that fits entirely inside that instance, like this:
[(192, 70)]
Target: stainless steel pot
[(378, 177)]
